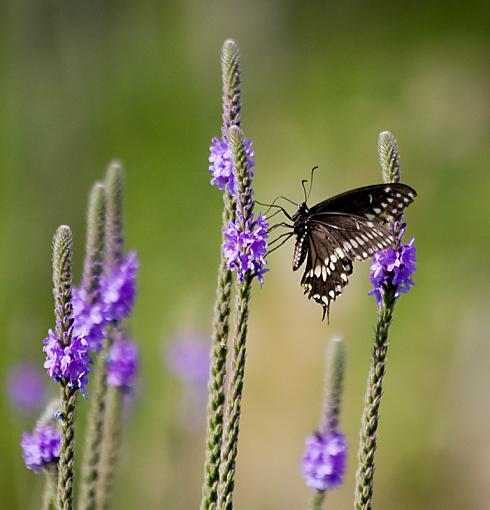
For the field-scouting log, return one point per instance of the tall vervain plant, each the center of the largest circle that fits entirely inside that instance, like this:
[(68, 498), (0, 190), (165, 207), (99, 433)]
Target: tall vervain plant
[(391, 274), (91, 285), (121, 359), (325, 453), (67, 361), (244, 249), (221, 169)]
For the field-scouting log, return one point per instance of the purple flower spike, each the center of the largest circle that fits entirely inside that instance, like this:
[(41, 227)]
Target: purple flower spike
[(70, 362), (221, 165), (41, 447), (187, 357), (393, 267), (245, 249), (122, 363), (119, 289), (26, 388), (324, 460)]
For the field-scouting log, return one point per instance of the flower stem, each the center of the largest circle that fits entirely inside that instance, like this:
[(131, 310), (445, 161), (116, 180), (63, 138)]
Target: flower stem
[(94, 266), (111, 443), (91, 467), (62, 279), (389, 158), (67, 452), (230, 69), (317, 500), (233, 410), (49, 494), (217, 379), (109, 406), (370, 417)]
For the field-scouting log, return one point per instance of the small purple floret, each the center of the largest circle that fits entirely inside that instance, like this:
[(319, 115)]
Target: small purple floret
[(324, 460), (26, 388), (244, 250), (394, 267), (122, 363), (89, 319), (221, 165), (70, 362), (41, 447), (119, 289)]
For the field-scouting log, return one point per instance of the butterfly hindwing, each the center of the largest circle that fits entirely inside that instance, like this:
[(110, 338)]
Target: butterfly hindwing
[(327, 268)]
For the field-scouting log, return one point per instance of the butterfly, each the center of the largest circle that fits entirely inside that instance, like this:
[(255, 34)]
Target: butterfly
[(332, 234)]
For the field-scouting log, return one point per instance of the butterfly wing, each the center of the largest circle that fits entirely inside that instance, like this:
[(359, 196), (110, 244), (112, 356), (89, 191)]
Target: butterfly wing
[(379, 201), (335, 239)]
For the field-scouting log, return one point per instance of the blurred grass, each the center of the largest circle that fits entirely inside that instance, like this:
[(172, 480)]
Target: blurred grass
[(84, 83)]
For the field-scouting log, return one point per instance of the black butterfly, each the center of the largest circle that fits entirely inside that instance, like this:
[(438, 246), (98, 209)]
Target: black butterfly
[(348, 226)]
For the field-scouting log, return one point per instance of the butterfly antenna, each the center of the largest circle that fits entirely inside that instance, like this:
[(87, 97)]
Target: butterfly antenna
[(311, 182), (303, 182)]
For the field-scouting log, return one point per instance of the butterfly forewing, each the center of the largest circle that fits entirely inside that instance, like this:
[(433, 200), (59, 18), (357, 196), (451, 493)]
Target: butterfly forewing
[(383, 201), (357, 237)]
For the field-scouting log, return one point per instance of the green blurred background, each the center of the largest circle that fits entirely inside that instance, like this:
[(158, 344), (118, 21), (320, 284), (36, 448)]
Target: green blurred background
[(82, 83)]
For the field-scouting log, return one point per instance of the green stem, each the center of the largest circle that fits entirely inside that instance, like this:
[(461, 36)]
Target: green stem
[(93, 446), (67, 452), (370, 417), (110, 447), (217, 379), (49, 494), (233, 409), (317, 500)]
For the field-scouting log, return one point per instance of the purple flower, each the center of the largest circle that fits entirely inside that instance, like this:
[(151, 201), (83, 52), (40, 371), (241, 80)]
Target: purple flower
[(41, 447), (26, 388), (89, 319), (393, 267), (324, 459), (245, 249), (221, 165), (69, 362), (122, 363), (119, 289), (187, 357)]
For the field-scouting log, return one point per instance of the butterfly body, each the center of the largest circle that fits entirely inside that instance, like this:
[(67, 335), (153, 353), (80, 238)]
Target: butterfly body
[(331, 234)]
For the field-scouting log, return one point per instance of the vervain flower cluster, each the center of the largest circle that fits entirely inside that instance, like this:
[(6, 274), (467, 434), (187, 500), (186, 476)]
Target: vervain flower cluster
[(90, 320), (40, 448), (221, 164), (393, 267), (244, 245), (70, 362), (116, 300), (122, 363), (323, 464), (245, 249), (26, 389), (187, 357)]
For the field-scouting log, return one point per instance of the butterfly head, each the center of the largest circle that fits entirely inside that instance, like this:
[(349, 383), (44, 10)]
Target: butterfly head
[(301, 214)]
